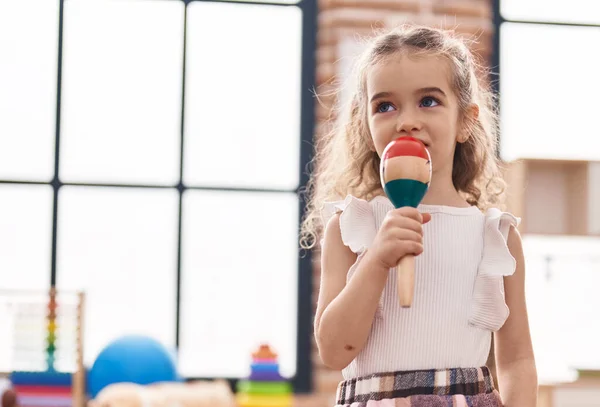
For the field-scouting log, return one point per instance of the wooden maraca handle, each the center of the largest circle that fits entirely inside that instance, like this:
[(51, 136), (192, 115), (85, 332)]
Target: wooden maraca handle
[(405, 280)]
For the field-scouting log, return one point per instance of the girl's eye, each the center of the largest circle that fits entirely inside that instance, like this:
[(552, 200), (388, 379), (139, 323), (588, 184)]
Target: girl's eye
[(428, 101), (384, 107)]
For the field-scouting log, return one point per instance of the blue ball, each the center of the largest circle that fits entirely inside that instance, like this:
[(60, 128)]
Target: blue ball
[(133, 359)]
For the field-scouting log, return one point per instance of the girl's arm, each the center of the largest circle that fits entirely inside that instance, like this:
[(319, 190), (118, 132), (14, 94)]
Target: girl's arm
[(345, 312), (517, 375)]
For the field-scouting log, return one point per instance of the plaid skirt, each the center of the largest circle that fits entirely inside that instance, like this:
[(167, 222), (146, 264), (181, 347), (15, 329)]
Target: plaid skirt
[(461, 387)]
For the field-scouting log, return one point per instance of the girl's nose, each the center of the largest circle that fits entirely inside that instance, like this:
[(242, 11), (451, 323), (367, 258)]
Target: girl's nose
[(408, 123)]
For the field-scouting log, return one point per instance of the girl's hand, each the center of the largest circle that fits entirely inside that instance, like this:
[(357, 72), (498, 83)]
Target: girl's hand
[(401, 233)]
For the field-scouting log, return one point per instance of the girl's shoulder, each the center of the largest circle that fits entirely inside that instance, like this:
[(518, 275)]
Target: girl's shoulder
[(357, 219), (501, 220)]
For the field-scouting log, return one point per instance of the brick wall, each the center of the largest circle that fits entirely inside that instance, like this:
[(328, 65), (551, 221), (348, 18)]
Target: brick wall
[(339, 22)]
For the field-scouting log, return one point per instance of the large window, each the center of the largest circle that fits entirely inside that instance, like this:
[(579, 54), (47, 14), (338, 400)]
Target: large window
[(151, 154), (549, 59)]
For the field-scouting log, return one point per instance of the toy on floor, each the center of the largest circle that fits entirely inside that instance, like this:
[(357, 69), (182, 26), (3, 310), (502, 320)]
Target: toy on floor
[(133, 359), (48, 371), (195, 394), (265, 387)]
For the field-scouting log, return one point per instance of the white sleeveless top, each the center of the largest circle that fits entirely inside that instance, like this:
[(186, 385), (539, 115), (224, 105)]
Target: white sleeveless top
[(459, 288)]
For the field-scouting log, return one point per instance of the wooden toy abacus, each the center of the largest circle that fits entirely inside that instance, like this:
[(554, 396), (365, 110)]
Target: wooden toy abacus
[(46, 346)]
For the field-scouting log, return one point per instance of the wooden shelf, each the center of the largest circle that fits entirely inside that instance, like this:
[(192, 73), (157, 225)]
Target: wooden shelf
[(555, 197)]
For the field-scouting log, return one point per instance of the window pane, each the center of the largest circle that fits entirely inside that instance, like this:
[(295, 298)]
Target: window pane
[(122, 79), (239, 281), (29, 48), (120, 246), (572, 11), (549, 82), (25, 236), (562, 279), (243, 95)]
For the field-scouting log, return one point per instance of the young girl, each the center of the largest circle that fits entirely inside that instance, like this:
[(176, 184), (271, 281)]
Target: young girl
[(469, 274)]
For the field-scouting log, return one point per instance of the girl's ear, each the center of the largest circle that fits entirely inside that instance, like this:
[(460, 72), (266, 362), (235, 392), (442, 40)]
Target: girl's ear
[(473, 111), (470, 119)]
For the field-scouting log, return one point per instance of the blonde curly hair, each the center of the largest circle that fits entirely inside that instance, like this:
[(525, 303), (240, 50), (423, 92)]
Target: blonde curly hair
[(343, 162)]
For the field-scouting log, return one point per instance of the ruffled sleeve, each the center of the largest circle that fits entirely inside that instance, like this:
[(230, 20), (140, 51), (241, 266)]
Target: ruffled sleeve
[(358, 228), (489, 307), (357, 222)]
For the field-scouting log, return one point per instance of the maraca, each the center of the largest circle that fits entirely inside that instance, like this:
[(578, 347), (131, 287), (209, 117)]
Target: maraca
[(405, 176)]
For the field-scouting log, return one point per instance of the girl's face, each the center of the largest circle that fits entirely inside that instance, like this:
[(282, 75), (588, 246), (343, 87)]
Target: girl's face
[(412, 96)]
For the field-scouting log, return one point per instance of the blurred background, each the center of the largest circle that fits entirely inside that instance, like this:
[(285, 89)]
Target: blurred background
[(153, 154)]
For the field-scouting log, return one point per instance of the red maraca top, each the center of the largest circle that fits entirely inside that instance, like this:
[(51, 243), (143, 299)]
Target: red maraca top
[(406, 146)]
